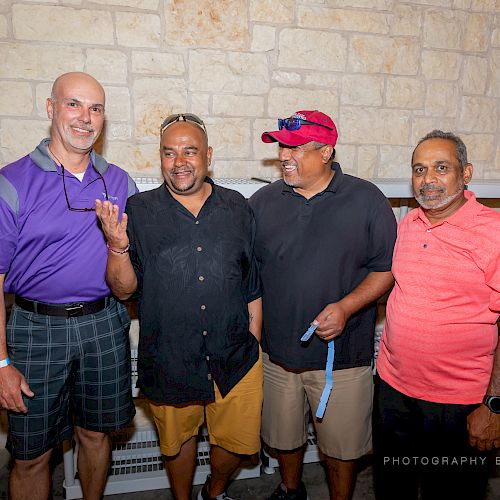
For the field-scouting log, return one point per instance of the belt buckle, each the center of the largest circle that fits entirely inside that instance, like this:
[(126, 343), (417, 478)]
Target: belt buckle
[(74, 310)]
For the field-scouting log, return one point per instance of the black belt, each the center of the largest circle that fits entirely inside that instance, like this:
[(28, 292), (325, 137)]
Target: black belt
[(64, 310)]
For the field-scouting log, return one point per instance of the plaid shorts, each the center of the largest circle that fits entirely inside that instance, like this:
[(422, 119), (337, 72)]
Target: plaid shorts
[(79, 370)]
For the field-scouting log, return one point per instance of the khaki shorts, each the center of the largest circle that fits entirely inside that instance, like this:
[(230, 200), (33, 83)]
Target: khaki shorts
[(233, 422), (345, 431)]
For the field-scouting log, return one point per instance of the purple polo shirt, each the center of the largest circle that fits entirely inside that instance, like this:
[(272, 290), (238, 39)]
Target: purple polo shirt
[(49, 253)]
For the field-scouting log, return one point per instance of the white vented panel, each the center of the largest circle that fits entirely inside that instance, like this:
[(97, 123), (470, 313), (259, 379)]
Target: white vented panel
[(136, 461), (246, 187)]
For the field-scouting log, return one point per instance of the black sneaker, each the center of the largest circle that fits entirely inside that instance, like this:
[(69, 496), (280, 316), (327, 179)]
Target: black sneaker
[(203, 493), (280, 494)]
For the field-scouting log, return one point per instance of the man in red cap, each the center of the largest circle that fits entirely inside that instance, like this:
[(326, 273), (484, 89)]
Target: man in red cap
[(324, 243)]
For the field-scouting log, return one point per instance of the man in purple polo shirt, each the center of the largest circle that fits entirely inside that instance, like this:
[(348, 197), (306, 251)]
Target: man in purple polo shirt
[(64, 354)]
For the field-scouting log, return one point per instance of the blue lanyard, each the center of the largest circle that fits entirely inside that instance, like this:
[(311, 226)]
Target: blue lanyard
[(320, 412)]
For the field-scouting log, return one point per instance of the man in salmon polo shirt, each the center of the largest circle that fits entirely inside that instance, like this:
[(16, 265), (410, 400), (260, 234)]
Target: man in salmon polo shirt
[(437, 401)]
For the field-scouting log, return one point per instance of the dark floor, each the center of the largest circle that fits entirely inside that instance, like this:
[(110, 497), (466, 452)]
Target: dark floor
[(244, 489)]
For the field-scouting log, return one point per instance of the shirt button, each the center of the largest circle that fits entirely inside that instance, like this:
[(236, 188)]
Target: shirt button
[(197, 222), (203, 307), (424, 245), (205, 333), (199, 249), (429, 230), (209, 376), (208, 358), (201, 278)]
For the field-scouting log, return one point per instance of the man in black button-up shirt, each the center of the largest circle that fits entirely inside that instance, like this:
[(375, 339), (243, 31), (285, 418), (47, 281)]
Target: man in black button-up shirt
[(191, 261)]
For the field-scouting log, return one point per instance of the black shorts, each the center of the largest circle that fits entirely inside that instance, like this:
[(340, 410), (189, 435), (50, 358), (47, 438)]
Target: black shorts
[(79, 370), (424, 445)]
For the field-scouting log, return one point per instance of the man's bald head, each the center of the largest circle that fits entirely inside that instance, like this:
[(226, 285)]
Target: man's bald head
[(75, 78), (76, 109)]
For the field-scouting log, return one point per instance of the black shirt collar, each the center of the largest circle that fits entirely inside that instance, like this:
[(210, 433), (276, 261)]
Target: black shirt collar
[(333, 186), (214, 200)]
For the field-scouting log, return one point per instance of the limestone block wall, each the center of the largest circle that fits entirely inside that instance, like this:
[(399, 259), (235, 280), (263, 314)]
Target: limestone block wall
[(388, 71)]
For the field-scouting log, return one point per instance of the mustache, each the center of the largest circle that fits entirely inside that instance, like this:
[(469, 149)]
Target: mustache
[(83, 127), (176, 170), (430, 187)]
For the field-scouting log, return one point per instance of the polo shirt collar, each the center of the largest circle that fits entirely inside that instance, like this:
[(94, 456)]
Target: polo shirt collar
[(337, 178), (333, 186), (463, 217), (40, 156)]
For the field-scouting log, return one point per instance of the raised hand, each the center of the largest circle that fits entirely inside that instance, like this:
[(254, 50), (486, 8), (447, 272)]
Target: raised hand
[(114, 229)]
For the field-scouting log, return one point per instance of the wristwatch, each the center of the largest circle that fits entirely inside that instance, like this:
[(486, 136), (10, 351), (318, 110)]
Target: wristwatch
[(493, 403)]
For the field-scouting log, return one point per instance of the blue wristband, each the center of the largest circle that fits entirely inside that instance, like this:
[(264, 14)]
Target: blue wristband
[(320, 412), (325, 396), (4, 362)]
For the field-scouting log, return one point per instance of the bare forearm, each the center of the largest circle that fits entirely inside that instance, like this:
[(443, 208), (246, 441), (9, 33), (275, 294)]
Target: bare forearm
[(12, 383), (255, 318), (332, 319), (368, 291), (484, 425), (3, 321), (120, 275), (494, 385)]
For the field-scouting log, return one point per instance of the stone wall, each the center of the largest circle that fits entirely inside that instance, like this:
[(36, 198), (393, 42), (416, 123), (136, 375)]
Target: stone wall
[(388, 71)]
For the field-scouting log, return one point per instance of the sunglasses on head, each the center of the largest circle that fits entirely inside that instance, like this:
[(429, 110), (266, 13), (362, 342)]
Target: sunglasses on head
[(294, 123), (186, 117)]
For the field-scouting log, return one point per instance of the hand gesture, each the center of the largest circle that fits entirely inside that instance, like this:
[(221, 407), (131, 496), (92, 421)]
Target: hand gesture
[(114, 229)]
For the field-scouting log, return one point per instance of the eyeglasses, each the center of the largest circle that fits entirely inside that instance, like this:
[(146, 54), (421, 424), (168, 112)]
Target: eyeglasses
[(294, 123), (91, 209), (186, 117)]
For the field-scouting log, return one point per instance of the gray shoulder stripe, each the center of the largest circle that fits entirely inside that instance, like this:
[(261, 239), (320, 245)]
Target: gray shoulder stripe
[(132, 188), (100, 164), (9, 194)]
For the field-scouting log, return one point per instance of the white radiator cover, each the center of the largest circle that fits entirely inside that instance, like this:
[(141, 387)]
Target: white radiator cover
[(392, 188), (246, 187)]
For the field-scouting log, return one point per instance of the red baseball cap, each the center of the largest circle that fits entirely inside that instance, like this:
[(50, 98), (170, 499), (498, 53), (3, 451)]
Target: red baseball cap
[(322, 129)]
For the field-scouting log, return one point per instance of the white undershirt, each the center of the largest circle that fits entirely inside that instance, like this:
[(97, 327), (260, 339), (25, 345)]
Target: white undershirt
[(79, 176)]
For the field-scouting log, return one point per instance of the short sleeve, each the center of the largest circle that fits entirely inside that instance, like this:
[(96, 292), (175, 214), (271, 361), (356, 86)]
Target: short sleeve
[(9, 206), (382, 237), (492, 279), (252, 279), (131, 186), (133, 250)]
